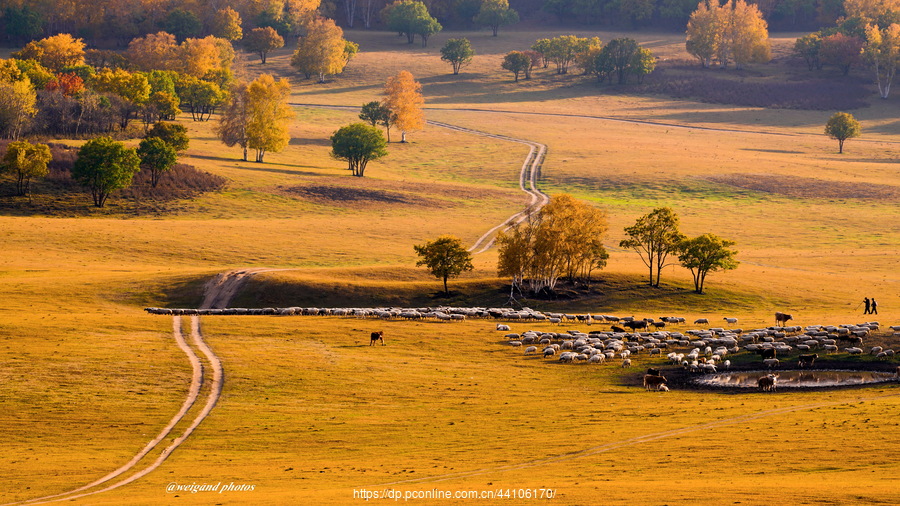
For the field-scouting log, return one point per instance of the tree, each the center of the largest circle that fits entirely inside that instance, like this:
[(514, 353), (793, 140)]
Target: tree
[(104, 165), (404, 100), (516, 62), (17, 107), (157, 156), (704, 254), (54, 52), (654, 236), (322, 51), (173, 134), (182, 24), (445, 257), (542, 47), (25, 161), (841, 50), (268, 115), (808, 47), (69, 84), (410, 18), (23, 24), (458, 53), (201, 98), (562, 50), (132, 88), (358, 144), (226, 24), (564, 239), (642, 63), (622, 53), (232, 127), (262, 41), (155, 51), (735, 31), (376, 113), (496, 13), (842, 126), (883, 53)]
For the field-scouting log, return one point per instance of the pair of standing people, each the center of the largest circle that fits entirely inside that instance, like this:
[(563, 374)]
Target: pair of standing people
[(871, 306)]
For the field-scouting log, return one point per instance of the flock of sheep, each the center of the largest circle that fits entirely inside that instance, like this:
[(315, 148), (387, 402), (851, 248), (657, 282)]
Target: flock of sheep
[(695, 350)]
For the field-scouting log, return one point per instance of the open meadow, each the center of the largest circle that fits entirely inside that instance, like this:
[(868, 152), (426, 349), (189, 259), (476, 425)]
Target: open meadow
[(306, 412)]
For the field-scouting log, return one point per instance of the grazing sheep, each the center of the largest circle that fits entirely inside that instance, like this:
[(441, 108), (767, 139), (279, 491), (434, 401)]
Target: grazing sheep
[(515, 344), (699, 321), (726, 364), (599, 358), (731, 321), (566, 356), (771, 362), (876, 350), (854, 351), (549, 352), (663, 388), (502, 327), (626, 362), (531, 349)]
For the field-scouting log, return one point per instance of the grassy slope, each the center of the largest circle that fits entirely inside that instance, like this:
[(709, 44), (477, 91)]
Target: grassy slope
[(80, 360)]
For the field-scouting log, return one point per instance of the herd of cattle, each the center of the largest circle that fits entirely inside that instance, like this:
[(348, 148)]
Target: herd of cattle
[(626, 337)]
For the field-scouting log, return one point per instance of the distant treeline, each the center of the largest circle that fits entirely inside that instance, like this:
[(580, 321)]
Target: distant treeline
[(116, 22)]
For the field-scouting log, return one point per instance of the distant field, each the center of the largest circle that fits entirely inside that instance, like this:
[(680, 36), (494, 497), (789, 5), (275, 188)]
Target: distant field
[(309, 412)]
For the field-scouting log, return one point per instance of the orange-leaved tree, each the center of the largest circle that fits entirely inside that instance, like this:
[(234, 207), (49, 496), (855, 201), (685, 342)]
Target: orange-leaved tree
[(404, 99)]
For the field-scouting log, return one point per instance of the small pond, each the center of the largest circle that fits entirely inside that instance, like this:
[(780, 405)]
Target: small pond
[(797, 378)]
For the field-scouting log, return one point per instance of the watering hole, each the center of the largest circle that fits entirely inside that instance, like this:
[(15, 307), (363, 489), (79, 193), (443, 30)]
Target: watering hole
[(797, 378)]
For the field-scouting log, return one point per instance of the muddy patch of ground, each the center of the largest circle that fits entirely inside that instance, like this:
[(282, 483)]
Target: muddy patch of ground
[(805, 187)]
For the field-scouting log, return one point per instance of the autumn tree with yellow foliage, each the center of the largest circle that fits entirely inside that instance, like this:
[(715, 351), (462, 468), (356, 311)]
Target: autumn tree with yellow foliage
[(731, 32), (323, 50), (54, 52), (268, 115), (883, 53), (403, 97)]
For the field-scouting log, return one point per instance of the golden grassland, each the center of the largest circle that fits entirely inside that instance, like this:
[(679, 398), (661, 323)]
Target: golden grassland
[(309, 411)]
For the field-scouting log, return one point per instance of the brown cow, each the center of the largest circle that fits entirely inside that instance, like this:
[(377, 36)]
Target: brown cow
[(782, 318), (377, 336), (767, 383), (653, 382)]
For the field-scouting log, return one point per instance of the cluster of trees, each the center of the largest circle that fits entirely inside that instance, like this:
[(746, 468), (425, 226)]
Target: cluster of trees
[(103, 165), (618, 60), (785, 14), (123, 20), (655, 236), (562, 240), (731, 32), (869, 33), (54, 86), (412, 18)]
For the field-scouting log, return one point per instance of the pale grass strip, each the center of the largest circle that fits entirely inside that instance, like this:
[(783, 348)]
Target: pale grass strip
[(214, 394), (631, 441)]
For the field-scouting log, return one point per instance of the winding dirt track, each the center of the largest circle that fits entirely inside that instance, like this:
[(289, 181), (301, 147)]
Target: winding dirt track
[(197, 379)]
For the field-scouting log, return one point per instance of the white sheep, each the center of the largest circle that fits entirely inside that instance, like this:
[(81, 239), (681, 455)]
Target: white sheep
[(771, 362), (626, 362), (876, 350), (502, 327), (731, 321), (531, 349), (662, 387), (597, 359), (515, 344)]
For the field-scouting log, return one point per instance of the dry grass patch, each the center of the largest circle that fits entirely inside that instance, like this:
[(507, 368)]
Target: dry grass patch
[(805, 187)]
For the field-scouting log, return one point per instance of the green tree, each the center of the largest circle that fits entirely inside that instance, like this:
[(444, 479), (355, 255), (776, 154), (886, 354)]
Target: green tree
[(542, 47), (157, 156), (622, 53), (842, 126), (704, 254), (182, 24), (654, 236), (808, 47), (23, 24), (358, 144), (445, 257), (516, 62), (174, 134), (26, 162), (262, 41), (457, 52), (496, 13), (104, 165), (410, 18), (376, 113)]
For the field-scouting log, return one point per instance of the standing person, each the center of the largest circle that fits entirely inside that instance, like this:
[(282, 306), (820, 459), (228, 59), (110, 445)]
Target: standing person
[(868, 304), (873, 306)]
